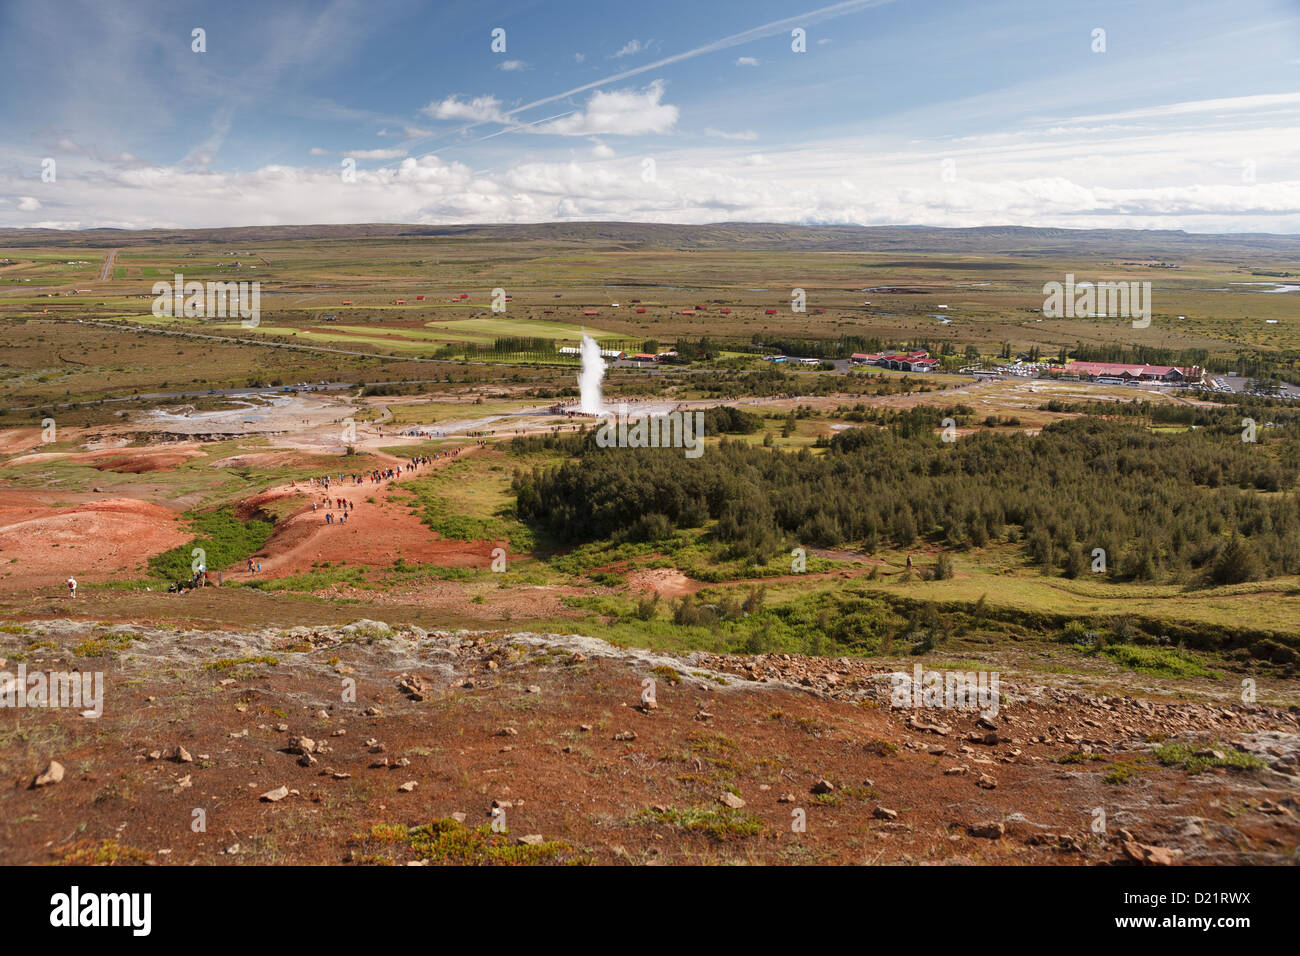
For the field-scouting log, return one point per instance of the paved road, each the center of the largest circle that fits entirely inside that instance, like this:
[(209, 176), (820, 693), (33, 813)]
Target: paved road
[(108, 266)]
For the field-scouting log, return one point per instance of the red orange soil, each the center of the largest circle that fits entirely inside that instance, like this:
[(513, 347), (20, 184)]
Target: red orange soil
[(132, 460), (666, 582), (550, 729), (377, 532), (92, 540), (14, 440), (136, 464)]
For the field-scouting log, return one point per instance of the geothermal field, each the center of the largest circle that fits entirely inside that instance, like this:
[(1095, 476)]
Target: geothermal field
[(567, 436)]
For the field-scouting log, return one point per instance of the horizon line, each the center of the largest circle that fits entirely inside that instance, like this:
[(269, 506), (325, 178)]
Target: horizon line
[(631, 223)]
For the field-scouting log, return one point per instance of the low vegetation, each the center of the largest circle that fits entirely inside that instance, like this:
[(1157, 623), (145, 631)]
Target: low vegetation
[(719, 823), (447, 842), (1199, 759), (222, 538)]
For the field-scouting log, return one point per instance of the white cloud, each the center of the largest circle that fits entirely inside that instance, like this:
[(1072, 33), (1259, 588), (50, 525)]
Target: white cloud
[(579, 57), (806, 186), (601, 151), (205, 152), (1230, 105), (376, 153), (744, 134), (29, 204), (746, 61), (629, 48), (66, 147), (1104, 177), (481, 109), (618, 112), (392, 153), (407, 132), (512, 66)]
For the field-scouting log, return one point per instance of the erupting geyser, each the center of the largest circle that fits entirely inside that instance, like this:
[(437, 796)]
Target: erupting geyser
[(589, 379)]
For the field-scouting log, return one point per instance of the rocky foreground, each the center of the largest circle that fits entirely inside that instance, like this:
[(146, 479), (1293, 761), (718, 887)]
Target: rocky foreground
[(366, 744)]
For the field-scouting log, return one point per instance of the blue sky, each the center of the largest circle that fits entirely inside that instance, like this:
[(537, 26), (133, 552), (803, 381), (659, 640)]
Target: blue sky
[(898, 111)]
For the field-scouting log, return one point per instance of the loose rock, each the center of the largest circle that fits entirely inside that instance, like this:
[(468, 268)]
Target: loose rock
[(52, 774)]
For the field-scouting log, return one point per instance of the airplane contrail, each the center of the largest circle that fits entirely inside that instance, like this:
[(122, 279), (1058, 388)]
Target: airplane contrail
[(735, 39)]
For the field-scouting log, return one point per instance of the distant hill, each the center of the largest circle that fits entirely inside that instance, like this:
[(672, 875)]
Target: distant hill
[(1003, 240)]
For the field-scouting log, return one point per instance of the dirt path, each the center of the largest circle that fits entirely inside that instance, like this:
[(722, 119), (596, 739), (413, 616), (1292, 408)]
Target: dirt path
[(380, 528)]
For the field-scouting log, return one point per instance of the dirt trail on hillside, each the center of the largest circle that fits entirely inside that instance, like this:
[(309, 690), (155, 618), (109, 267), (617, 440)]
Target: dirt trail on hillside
[(376, 532)]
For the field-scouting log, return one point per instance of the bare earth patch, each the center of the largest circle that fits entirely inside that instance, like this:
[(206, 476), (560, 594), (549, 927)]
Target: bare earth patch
[(93, 540)]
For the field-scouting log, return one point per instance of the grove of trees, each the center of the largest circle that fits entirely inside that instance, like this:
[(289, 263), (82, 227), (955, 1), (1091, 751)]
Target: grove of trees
[(1197, 506)]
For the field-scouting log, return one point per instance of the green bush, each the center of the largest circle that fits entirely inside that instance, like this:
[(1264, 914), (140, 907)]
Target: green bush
[(223, 537)]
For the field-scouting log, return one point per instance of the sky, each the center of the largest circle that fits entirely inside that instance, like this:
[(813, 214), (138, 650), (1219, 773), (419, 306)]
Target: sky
[(1163, 114)]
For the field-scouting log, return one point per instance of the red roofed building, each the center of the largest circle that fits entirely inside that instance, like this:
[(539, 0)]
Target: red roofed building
[(1134, 372)]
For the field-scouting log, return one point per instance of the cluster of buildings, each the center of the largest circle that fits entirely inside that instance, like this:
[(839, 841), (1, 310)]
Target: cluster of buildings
[(1105, 373), (915, 361), (1120, 373)]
